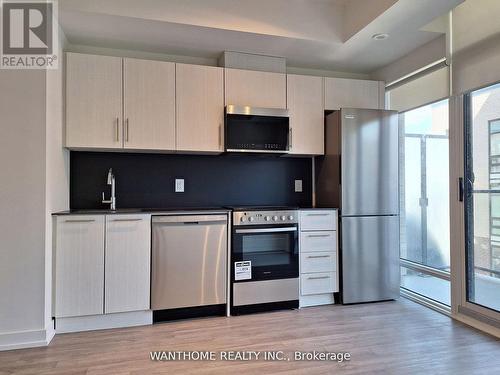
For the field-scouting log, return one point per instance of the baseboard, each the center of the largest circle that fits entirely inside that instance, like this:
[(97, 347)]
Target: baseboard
[(26, 339), (105, 321)]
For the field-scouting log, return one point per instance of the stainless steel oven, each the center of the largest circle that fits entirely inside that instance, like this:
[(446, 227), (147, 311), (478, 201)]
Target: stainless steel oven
[(256, 129), (264, 259)]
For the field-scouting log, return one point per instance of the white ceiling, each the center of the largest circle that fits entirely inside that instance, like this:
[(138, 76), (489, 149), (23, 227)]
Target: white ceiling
[(319, 34)]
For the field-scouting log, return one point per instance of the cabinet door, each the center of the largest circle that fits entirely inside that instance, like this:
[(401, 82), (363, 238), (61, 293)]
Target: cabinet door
[(255, 89), (79, 266), (200, 108), (93, 101), (128, 259), (353, 93), (149, 105), (305, 105)]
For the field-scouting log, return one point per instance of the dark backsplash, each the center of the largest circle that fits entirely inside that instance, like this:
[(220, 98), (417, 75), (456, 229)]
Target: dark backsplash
[(147, 180)]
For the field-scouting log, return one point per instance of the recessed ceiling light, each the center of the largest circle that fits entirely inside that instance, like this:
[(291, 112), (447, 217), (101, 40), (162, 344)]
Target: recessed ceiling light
[(380, 36)]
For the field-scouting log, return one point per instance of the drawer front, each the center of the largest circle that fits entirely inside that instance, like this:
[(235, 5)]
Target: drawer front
[(318, 220), (318, 283), (318, 241), (318, 262)]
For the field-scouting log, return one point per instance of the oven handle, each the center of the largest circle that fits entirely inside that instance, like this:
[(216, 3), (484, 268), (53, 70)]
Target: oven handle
[(266, 230)]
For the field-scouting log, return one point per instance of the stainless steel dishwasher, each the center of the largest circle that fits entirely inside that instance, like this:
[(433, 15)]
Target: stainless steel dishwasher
[(189, 261)]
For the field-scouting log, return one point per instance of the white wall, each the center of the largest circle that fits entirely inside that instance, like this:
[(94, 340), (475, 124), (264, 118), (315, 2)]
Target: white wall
[(34, 171), (22, 200), (57, 166)]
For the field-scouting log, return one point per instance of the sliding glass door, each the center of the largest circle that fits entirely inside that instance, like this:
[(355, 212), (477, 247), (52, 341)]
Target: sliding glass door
[(482, 196), (424, 204)]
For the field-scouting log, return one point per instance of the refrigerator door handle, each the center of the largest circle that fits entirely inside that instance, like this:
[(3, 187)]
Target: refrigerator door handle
[(340, 170)]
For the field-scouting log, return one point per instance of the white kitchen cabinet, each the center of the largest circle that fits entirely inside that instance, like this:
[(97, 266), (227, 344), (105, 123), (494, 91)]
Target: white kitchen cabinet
[(305, 106), (148, 104), (324, 240), (128, 259), (318, 256), (255, 88), (79, 265), (318, 220), (353, 93), (318, 283), (200, 108), (93, 101)]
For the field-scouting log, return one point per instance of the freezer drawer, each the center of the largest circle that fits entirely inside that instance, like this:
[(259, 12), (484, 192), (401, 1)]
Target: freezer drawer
[(370, 258), (189, 255)]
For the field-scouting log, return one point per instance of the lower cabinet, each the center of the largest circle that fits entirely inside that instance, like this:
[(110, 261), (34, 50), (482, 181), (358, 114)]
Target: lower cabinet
[(318, 256), (102, 264), (79, 266), (127, 263)]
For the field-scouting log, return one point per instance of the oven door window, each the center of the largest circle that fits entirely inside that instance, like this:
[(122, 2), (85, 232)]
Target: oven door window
[(273, 254)]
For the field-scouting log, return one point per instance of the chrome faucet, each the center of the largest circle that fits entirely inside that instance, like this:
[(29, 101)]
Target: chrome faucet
[(112, 199)]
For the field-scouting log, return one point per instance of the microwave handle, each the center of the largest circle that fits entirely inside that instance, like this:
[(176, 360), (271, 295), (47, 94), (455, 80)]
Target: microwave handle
[(290, 138)]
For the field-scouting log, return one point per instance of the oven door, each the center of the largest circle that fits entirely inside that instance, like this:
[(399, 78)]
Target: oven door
[(272, 251), (256, 130)]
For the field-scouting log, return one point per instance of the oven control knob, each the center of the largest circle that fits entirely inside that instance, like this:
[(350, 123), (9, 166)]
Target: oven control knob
[(275, 218), (242, 219), (290, 217), (267, 218), (251, 218), (283, 218)]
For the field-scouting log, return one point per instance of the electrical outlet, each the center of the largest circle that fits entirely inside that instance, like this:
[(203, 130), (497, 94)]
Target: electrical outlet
[(179, 185), (298, 186)]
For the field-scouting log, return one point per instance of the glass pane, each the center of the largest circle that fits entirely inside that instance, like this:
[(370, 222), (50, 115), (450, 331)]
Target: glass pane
[(425, 224), (426, 285), (268, 249), (483, 198)]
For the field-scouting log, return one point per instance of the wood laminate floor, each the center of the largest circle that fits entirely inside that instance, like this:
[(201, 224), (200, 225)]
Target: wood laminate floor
[(383, 338)]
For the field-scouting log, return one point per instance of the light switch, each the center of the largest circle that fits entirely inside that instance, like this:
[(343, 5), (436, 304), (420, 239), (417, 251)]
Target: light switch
[(179, 185), (298, 186)]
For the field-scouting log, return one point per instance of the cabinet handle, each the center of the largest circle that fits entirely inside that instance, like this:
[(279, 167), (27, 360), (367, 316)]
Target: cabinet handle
[(126, 128), (319, 256), (318, 235), (117, 129), (220, 135), (79, 220), (123, 220), (318, 277)]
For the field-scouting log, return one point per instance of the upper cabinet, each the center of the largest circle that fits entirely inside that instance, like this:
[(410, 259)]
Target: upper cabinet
[(148, 104), (255, 88), (100, 88), (133, 104), (200, 108), (93, 101), (353, 93), (305, 106)]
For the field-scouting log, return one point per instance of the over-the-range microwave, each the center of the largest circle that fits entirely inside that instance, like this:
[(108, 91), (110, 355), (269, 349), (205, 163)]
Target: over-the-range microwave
[(250, 129)]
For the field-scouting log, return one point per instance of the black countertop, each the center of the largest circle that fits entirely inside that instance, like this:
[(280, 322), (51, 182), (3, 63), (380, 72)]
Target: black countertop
[(124, 211)]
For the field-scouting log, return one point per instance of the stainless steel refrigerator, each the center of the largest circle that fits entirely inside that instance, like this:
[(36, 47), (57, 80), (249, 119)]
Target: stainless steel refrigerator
[(359, 175)]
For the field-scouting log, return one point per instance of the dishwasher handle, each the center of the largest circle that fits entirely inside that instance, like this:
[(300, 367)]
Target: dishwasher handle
[(188, 219)]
